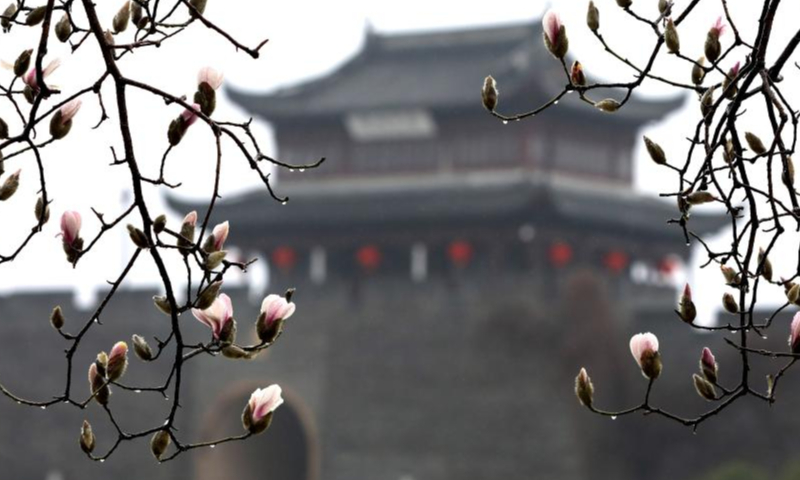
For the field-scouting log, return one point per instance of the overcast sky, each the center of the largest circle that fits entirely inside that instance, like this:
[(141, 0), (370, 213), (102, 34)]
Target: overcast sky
[(307, 38)]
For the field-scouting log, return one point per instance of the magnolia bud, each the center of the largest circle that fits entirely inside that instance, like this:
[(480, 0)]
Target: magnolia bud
[(138, 237), (87, 438), (729, 153), (489, 93), (593, 17), (704, 388), (755, 143), (41, 211), (766, 269), (29, 94), (36, 16), (215, 259), (584, 389), (788, 173), (162, 304), (206, 299), (664, 7), (708, 365), (187, 230), (235, 353), (227, 334), (608, 105), (10, 186), (63, 29), (137, 13), (699, 198), (141, 348), (730, 303), (206, 97), (687, 309), (200, 5), (555, 35), (159, 443), (624, 3), (9, 12), (671, 37), (97, 384), (729, 82), (109, 38), (698, 74), (655, 151), (59, 128), (712, 46), (793, 294), (577, 77), (731, 278), (707, 104), (160, 223), (23, 62), (57, 318), (117, 361), (121, 19)]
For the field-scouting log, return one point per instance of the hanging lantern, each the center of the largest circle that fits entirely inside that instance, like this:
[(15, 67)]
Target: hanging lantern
[(460, 253), (560, 254), (369, 257), (616, 261), (284, 257)]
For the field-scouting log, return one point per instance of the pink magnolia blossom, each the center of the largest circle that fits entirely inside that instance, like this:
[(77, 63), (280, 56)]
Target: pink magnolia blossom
[(30, 78), (93, 375), (264, 401), (719, 27), (794, 338), (69, 110), (735, 69), (552, 26), (687, 293), (643, 345), (210, 76), (217, 315), (119, 350), (189, 116), (220, 235), (70, 227), (190, 218), (707, 359), (275, 307)]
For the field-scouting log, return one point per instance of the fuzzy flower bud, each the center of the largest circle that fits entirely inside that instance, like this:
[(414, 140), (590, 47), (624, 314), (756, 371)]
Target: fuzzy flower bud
[(593, 17), (217, 317), (707, 105), (97, 385), (57, 319), (9, 187), (704, 388), (159, 443), (138, 237), (117, 361), (766, 265), (624, 3), (257, 414), (729, 87), (121, 19), (555, 35), (793, 293), (584, 389), (708, 365), (577, 76), (42, 211), (160, 223), (208, 296), (608, 105), (216, 240), (162, 303), (179, 126), (712, 46), (141, 348), (730, 303), (644, 348), (687, 312), (698, 74), (88, 439), (731, 278), (36, 16), (61, 121), (23, 62), (489, 93), (274, 311), (187, 230), (8, 13), (215, 259), (755, 143), (200, 5), (63, 29), (794, 337), (671, 37), (664, 7), (699, 198), (655, 151)]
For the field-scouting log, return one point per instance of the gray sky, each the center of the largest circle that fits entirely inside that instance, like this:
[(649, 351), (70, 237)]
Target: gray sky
[(307, 38)]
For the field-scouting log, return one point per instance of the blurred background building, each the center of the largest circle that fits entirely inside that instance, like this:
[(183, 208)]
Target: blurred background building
[(453, 273)]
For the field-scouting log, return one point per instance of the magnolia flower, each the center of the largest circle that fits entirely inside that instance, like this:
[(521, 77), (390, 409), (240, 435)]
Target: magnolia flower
[(718, 28), (794, 338), (189, 116), (190, 218), (70, 227), (708, 365), (69, 110), (274, 310), (216, 240), (210, 76), (734, 71), (217, 316), (30, 78), (644, 348), (712, 45), (688, 311), (117, 361), (258, 413), (187, 230), (555, 35)]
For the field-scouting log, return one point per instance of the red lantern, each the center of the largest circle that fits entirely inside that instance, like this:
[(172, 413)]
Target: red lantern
[(284, 257), (615, 261), (369, 257), (560, 254), (460, 253), (669, 265)]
